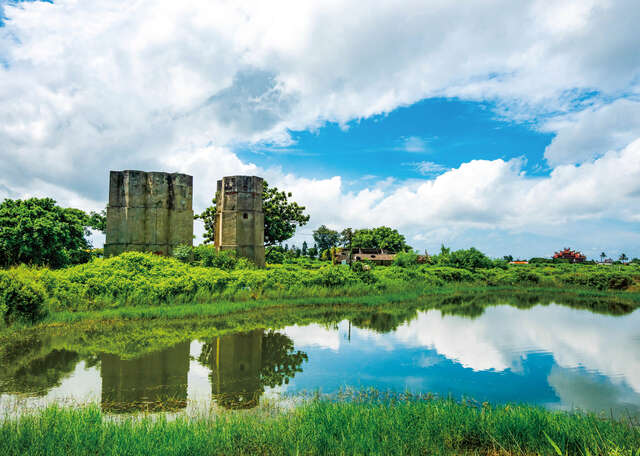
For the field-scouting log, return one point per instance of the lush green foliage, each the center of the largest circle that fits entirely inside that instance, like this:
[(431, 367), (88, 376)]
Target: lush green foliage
[(406, 259), (208, 256), (37, 231), (203, 275), (21, 299), (325, 238), (395, 425), (470, 259), (381, 237), (281, 216)]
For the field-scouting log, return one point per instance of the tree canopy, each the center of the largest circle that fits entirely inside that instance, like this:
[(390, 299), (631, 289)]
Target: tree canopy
[(381, 237), (325, 238), (37, 231), (281, 216)]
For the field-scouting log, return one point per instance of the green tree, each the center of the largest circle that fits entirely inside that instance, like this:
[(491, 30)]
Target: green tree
[(325, 238), (313, 251), (305, 249), (623, 257), (381, 237), (39, 232), (281, 217), (603, 256), (346, 238)]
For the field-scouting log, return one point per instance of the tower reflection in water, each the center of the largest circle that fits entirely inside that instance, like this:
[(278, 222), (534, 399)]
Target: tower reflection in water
[(243, 364), (153, 382)]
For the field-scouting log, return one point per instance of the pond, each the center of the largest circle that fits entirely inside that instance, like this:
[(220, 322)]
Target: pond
[(551, 355)]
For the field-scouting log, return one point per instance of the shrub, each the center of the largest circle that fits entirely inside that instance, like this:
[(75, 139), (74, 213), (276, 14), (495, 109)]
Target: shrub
[(183, 253), (21, 297), (405, 259), (449, 274), (364, 272), (335, 276)]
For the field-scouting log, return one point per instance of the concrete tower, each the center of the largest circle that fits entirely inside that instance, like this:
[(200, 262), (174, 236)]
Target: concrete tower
[(150, 212), (239, 217)]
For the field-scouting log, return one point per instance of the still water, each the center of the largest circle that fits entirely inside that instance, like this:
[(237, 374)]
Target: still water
[(551, 355)]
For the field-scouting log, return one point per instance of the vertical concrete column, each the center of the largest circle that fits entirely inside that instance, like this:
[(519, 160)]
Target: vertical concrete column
[(239, 217), (150, 212)]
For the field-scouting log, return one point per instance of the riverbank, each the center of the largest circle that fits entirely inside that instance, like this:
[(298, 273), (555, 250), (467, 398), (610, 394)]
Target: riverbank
[(137, 285), (427, 426)]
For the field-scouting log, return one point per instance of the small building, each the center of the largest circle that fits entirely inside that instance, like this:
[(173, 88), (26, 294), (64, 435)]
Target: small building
[(571, 255), (379, 257), (376, 256)]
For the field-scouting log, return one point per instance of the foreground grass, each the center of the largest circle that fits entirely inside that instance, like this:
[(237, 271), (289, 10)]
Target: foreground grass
[(325, 427)]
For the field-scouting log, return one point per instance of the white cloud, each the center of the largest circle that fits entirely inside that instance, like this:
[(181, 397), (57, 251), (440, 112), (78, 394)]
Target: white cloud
[(414, 144), (427, 168), (175, 87), (592, 132)]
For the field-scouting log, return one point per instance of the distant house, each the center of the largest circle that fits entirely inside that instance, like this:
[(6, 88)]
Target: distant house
[(572, 255), (518, 262), (378, 257)]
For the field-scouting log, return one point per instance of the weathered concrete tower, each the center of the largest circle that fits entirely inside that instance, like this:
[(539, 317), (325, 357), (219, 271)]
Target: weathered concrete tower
[(239, 217), (150, 212)]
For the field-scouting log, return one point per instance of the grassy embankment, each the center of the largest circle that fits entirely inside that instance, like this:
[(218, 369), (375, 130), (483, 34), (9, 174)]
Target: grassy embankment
[(435, 426), (136, 285)]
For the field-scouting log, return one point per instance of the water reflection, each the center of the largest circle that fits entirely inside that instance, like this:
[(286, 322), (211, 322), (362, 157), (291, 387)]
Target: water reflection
[(552, 355), (243, 364), (157, 381)]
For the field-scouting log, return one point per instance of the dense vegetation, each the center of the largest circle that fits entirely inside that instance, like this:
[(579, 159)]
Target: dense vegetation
[(39, 232), (381, 237), (396, 425), (204, 276)]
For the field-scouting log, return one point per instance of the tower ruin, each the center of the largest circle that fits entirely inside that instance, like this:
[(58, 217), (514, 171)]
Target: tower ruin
[(149, 212), (239, 217)]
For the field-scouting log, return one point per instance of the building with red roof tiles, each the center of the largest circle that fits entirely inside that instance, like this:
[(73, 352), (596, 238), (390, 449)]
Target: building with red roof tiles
[(572, 255)]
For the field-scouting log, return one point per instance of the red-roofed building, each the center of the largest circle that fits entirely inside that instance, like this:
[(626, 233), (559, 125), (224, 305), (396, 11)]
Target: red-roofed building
[(572, 255)]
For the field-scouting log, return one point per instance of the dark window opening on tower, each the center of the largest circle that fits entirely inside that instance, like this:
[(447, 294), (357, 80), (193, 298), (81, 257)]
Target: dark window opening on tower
[(245, 215)]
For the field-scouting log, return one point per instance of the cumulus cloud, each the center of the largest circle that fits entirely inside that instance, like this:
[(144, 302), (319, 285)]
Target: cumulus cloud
[(177, 86), (592, 132)]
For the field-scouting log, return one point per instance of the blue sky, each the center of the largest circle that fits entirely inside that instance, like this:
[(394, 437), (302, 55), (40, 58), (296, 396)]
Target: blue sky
[(510, 126), (442, 132)]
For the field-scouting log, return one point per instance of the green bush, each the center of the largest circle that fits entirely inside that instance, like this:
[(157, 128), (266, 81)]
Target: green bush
[(183, 253), (335, 276), (449, 274), (21, 297), (364, 272), (405, 259)]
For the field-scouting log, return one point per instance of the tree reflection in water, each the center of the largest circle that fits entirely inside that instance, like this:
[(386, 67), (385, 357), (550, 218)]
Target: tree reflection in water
[(243, 364)]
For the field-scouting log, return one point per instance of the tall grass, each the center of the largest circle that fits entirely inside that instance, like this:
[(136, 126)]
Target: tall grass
[(324, 428)]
